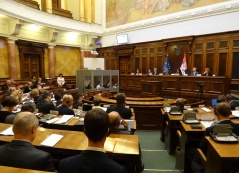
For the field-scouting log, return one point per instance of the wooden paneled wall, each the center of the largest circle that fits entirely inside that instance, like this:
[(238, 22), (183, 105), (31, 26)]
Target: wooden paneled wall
[(219, 52)]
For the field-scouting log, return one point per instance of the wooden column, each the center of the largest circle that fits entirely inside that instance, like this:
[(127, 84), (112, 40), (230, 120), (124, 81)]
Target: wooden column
[(12, 62), (51, 61)]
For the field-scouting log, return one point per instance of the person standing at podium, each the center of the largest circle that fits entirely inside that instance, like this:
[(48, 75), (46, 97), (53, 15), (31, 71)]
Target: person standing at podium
[(93, 159)]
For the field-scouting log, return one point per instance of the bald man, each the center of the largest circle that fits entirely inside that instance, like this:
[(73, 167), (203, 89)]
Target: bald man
[(115, 121), (20, 152)]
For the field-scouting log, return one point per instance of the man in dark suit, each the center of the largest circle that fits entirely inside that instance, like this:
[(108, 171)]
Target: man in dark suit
[(167, 72), (20, 152), (67, 102), (115, 121), (155, 71), (94, 158), (6, 87), (45, 105), (233, 103), (194, 73), (124, 112)]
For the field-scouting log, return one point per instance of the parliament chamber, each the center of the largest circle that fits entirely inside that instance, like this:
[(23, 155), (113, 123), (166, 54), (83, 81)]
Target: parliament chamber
[(45, 38)]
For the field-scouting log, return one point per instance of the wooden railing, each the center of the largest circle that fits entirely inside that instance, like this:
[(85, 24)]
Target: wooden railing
[(29, 3), (61, 12)]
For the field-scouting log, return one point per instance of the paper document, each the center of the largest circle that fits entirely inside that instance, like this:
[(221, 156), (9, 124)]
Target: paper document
[(207, 124), (51, 140), (192, 121), (206, 109), (16, 111), (52, 120), (235, 113), (64, 119), (7, 132), (226, 138)]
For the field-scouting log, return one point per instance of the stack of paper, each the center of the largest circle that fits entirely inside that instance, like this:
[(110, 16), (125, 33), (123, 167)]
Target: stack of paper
[(7, 132), (207, 124), (235, 113), (64, 119), (206, 109), (51, 140)]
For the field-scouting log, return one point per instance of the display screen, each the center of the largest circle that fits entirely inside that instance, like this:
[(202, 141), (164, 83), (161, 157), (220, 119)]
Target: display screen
[(122, 39)]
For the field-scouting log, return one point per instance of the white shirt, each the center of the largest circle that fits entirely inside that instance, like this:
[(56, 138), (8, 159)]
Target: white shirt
[(60, 81)]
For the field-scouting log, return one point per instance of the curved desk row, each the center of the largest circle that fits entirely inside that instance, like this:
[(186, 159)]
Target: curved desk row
[(147, 113)]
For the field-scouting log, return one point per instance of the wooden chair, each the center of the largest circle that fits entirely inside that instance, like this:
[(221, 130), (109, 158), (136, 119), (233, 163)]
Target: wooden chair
[(202, 158)]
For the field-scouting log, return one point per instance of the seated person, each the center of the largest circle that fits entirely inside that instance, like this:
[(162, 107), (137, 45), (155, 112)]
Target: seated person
[(93, 158), (222, 112), (115, 121), (98, 85), (107, 85), (233, 103), (179, 72), (194, 72), (137, 72), (60, 80), (20, 152), (167, 72), (45, 105), (6, 87), (8, 103), (96, 102), (26, 107), (88, 86), (58, 99), (35, 95), (207, 72), (155, 71), (27, 88), (180, 104), (65, 108), (77, 101), (124, 112), (220, 99), (18, 95), (149, 72)]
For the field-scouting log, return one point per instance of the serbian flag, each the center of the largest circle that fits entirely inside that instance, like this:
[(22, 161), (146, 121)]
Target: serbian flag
[(184, 68), (167, 65)]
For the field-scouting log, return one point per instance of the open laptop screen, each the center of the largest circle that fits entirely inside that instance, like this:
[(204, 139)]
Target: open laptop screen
[(214, 102)]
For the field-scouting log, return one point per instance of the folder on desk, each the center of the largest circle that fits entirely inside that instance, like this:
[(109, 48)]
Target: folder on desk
[(64, 119), (51, 140)]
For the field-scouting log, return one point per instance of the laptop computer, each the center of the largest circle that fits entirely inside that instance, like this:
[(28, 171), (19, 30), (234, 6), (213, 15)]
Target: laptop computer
[(214, 102)]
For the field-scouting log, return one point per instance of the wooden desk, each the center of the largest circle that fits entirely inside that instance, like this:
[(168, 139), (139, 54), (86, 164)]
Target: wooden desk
[(123, 147), (188, 137), (71, 125), (6, 169), (221, 157), (169, 132)]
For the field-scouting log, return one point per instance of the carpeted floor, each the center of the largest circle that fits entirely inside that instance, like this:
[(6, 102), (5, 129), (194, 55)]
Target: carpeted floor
[(155, 158)]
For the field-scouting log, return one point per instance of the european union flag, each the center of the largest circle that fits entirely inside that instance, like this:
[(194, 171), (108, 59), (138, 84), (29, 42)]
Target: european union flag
[(167, 65)]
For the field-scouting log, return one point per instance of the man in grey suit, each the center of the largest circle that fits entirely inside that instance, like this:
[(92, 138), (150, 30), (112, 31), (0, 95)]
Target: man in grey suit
[(20, 152), (94, 158), (194, 73)]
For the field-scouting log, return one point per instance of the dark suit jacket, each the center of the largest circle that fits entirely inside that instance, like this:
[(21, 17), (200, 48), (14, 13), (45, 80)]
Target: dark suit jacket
[(76, 104), (5, 87), (192, 74), (124, 112), (90, 161), (45, 106), (64, 110), (204, 142), (26, 89), (23, 154), (234, 104), (3, 115)]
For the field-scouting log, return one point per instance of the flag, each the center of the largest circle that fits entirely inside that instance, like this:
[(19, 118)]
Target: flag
[(184, 68), (167, 65)]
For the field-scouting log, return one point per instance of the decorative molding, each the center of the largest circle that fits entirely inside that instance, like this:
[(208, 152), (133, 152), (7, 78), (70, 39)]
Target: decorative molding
[(206, 11), (28, 14)]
